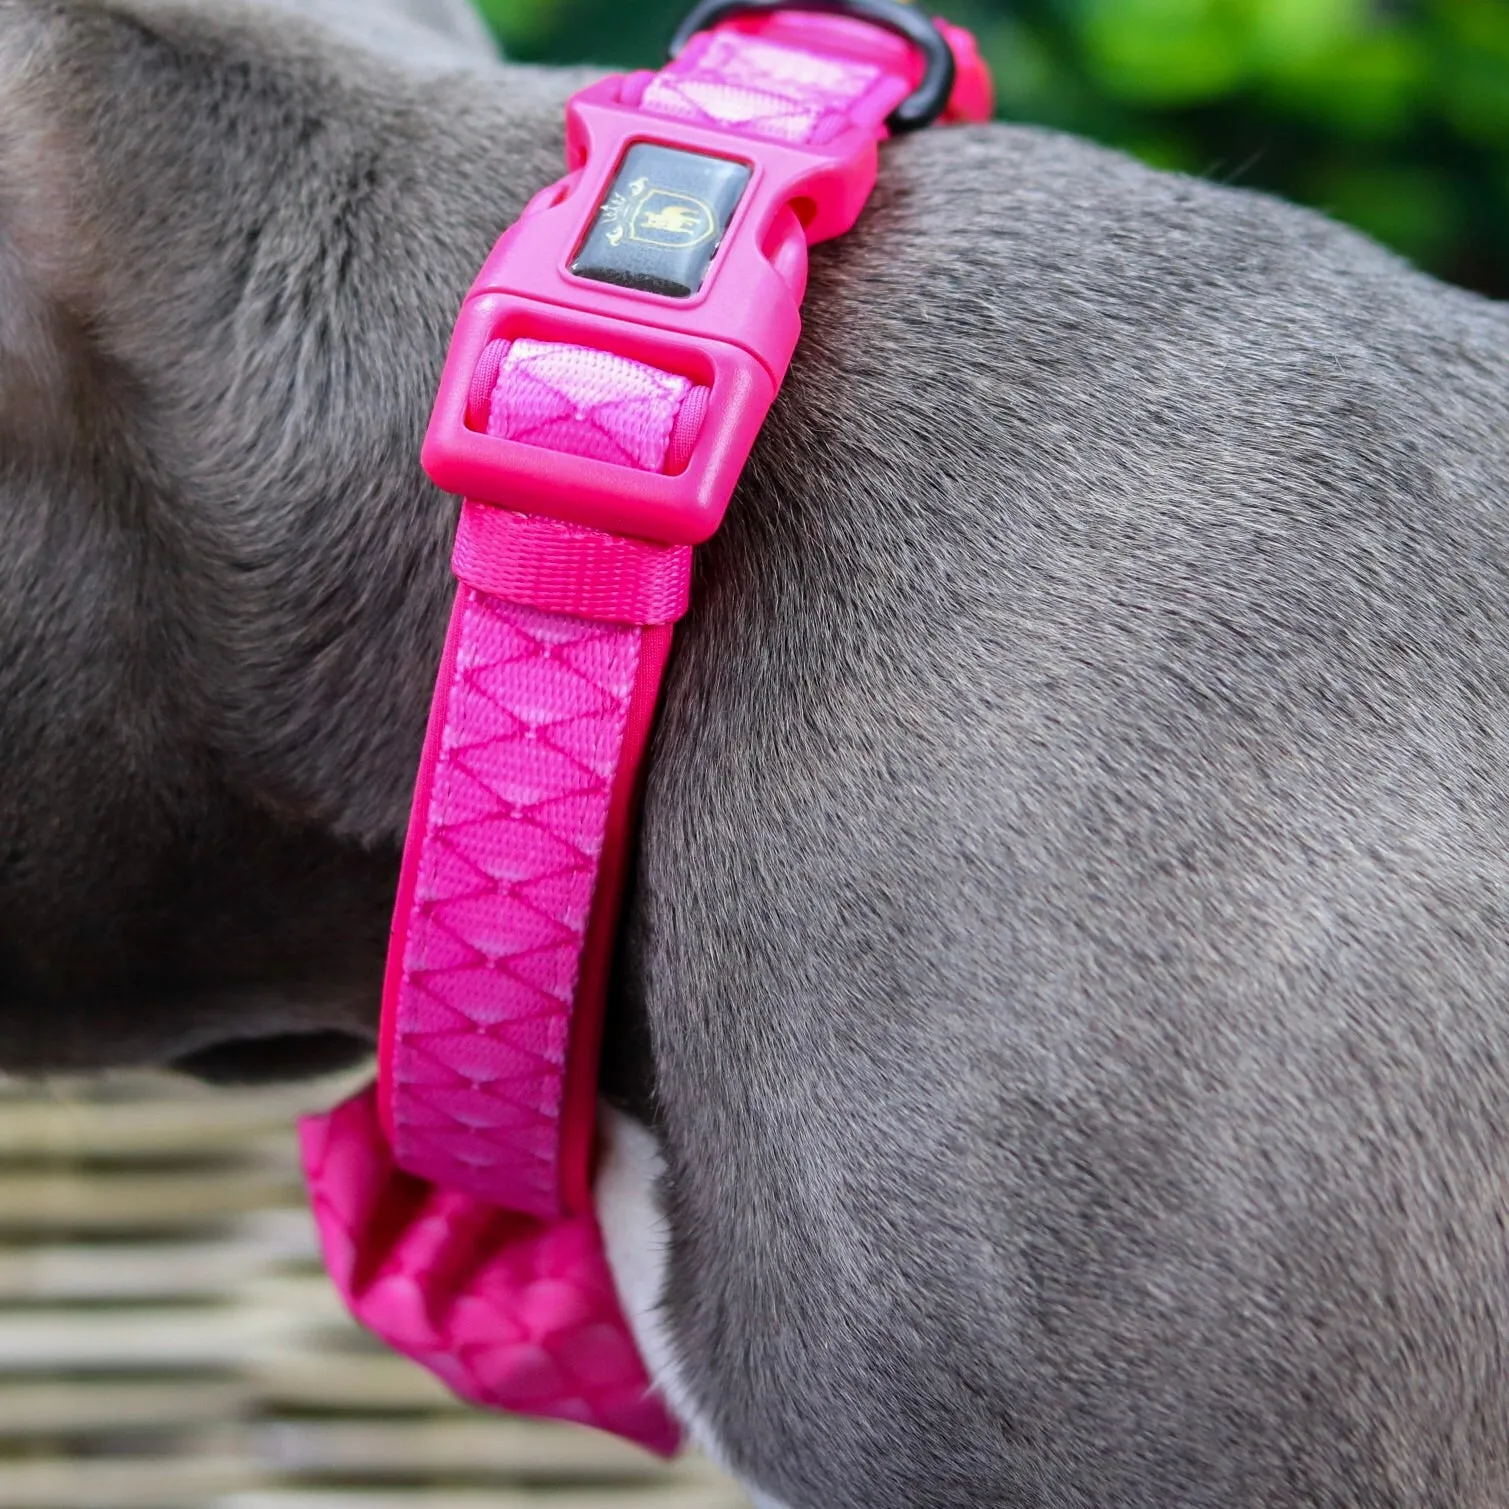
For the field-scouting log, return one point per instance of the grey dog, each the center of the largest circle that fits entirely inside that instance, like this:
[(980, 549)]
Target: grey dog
[(1060, 1034)]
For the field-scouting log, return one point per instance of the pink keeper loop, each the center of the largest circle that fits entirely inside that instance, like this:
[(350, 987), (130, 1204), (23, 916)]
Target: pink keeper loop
[(563, 568)]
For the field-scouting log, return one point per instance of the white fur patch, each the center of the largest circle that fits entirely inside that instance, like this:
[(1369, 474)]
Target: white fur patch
[(637, 1241)]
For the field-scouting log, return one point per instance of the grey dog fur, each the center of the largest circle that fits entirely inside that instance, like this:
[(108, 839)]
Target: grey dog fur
[(1071, 924)]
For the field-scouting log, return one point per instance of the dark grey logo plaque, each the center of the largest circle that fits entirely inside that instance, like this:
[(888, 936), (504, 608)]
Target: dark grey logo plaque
[(662, 220)]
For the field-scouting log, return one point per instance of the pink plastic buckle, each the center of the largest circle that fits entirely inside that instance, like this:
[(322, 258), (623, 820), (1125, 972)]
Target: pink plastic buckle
[(675, 509), (735, 335)]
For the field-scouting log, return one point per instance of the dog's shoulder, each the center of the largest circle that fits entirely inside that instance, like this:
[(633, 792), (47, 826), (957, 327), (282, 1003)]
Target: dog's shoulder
[(1070, 909)]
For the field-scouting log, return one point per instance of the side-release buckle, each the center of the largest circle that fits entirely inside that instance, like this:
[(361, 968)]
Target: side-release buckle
[(719, 306)]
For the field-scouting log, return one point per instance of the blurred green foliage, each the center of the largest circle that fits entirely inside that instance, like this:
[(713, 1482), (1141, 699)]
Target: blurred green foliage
[(1392, 114)]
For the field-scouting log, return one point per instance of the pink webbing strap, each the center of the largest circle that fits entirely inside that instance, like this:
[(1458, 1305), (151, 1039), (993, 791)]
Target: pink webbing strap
[(455, 1203), (762, 86), (522, 809)]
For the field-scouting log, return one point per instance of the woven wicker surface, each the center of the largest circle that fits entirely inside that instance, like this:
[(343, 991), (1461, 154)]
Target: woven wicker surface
[(168, 1340)]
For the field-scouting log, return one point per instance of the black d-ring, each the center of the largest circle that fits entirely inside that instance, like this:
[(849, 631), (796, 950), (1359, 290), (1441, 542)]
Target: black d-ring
[(918, 109)]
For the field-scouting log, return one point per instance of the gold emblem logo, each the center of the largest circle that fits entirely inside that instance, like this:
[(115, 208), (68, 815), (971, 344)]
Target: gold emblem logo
[(659, 217), (666, 217)]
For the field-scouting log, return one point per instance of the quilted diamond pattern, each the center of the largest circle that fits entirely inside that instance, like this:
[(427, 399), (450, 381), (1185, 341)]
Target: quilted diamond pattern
[(514, 809), (511, 1312), (534, 717), (586, 402), (766, 90)]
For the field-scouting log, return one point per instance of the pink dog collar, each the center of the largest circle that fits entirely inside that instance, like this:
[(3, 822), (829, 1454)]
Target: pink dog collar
[(610, 369)]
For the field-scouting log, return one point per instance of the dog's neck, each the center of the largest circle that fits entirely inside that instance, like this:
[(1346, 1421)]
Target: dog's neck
[(227, 318)]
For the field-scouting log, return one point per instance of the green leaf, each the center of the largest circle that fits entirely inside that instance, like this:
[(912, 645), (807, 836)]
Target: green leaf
[(521, 25), (1296, 36), (1413, 209), (1372, 89), (1163, 52), (1033, 81), (1475, 95)]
